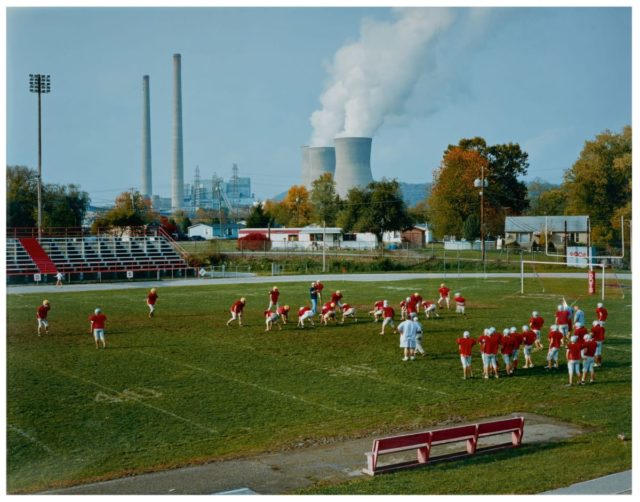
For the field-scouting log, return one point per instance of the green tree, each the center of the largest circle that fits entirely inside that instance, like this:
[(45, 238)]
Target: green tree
[(182, 221), (551, 202), (325, 200), (378, 208), (298, 206), (258, 218), (22, 197), (471, 227), (599, 183), (131, 210)]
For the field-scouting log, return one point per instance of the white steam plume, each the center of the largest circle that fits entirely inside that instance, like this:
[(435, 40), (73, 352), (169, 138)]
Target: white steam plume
[(373, 77)]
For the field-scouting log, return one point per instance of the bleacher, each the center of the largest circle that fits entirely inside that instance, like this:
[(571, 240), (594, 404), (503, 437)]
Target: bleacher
[(97, 254)]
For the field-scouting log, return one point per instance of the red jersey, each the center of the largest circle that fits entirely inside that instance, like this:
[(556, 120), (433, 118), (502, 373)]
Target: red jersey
[(459, 301), (574, 351), (529, 337), (97, 320), (319, 287), (555, 338), (491, 345), (589, 348), (483, 340), (237, 307), (580, 332), (427, 303), (507, 344), (536, 323), (42, 311), (378, 305), (388, 312), (464, 346), (597, 333), (417, 299), (444, 292), (412, 308), (268, 313), (497, 337), (326, 308), (518, 338), (335, 298), (562, 317), (345, 307), (303, 310), (282, 311), (274, 295), (151, 298), (602, 314)]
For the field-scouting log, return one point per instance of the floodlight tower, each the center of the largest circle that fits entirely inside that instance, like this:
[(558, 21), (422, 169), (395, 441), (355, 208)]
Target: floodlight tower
[(40, 84)]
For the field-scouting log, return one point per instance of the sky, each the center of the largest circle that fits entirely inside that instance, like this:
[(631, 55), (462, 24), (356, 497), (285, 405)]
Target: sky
[(259, 83)]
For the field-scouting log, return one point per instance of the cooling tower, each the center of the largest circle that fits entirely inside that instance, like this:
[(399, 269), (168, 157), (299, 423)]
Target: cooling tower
[(320, 160), (177, 183), (146, 140), (305, 166), (353, 164)]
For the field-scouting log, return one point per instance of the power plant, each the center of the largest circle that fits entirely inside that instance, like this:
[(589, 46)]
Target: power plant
[(177, 183), (317, 160), (353, 164), (147, 192)]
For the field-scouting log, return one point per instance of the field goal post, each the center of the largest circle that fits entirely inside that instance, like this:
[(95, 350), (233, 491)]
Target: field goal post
[(534, 262)]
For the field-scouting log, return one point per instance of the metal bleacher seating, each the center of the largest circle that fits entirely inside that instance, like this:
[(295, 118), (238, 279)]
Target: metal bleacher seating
[(18, 260)]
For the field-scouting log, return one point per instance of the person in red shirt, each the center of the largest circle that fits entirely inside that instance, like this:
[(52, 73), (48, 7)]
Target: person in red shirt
[(41, 316), (328, 312), (403, 308), (411, 308), (387, 316), (429, 308), (460, 303), (597, 334), (464, 349), (535, 323), (348, 311), (444, 295), (319, 287), (97, 321), (483, 339), (580, 331), (517, 341), (152, 298), (491, 350), (305, 313), (528, 339), (274, 294), (337, 299), (236, 311), (283, 312), (589, 347), (416, 298), (270, 319), (506, 345), (562, 320), (556, 339), (377, 310), (601, 314), (574, 356)]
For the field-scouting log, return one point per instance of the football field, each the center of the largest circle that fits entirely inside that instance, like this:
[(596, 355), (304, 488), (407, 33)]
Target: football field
[(183, 388)]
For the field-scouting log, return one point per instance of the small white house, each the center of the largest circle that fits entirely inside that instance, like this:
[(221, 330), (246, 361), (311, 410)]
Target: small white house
[(201, 230), (313, 237)]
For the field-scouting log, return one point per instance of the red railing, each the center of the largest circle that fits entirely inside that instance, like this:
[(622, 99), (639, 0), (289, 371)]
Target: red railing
[(143, 231)]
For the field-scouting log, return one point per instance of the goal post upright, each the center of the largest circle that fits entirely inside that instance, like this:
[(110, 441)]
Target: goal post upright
[(535, 262)]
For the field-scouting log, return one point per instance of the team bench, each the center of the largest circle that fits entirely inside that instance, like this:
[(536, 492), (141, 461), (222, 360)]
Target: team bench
[(422, 443)]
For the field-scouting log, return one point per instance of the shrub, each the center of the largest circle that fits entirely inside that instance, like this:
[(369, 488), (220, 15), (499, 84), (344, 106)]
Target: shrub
[(254, 241)]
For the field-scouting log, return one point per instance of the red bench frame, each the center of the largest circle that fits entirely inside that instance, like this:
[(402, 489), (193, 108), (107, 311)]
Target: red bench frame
[(423, 442)]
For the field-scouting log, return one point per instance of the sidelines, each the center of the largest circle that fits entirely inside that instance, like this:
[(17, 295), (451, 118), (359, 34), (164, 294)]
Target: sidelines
[(22, 433)]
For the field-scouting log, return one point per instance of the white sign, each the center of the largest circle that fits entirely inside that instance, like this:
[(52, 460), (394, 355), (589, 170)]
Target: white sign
[(129, 274), (578, 256), (37, 277)]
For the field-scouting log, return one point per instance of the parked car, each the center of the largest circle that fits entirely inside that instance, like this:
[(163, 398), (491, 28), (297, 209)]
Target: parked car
[(197, 238)]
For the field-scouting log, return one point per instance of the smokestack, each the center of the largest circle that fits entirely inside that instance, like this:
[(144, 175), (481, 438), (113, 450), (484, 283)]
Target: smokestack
[(353, 164), (322, 159), (146, 140), (177, 185)]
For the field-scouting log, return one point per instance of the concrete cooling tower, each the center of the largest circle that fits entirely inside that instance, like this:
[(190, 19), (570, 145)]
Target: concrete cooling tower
[(353, 164), (321, 159), (305, 166)]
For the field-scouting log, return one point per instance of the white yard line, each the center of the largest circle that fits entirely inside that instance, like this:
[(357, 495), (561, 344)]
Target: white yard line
[(103, 387), (243, 382), (24, 434)]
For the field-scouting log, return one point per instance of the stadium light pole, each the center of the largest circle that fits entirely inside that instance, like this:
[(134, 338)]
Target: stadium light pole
[(481, 183), (40, 84)]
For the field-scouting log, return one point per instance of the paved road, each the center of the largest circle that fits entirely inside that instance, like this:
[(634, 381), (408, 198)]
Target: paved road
[(251, 279), (614, 484)]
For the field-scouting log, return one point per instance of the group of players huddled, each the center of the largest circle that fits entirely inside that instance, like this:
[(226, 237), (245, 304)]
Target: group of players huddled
[(583, 346)]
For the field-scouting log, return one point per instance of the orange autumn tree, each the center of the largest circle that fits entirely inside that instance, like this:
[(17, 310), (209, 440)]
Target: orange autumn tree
[(453, 198)]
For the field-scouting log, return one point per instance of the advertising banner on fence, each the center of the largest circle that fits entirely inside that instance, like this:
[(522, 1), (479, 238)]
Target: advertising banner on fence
[(578, 256)]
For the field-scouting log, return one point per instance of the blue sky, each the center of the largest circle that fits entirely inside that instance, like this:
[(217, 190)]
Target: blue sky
[(546, 78)]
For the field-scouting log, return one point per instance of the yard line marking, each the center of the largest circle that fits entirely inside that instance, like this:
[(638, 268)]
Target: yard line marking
[(250, 384), (156, 408), (24, 434), (621, 349)]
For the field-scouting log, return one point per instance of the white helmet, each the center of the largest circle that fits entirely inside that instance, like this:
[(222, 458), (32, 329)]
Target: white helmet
[(408, 299), (97, 311), (466, 334), (560, 307), (385, 303), (600, 305), (492, 329), (505, 331), (534, 313), (525, 327), (457, 294), (574, 338), (578, 325), (513, 329), (595, 323), (587, 338)]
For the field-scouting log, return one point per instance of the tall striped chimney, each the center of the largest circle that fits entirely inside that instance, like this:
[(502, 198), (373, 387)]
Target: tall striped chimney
[(146, 140), (177, 185)]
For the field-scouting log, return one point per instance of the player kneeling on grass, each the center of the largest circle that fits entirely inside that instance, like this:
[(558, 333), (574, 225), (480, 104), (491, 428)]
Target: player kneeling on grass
[(464, 349), (348, 311), (556, 339), (271, 318), (377, 310), (387, 315), (283, 312), (328, 313), (430, 309), (305, 313), (574, 356), (98, 320), (152, 297), (528, 339), (460, 303), (589, 347), (407, 330), (41, 316), (236, 311)]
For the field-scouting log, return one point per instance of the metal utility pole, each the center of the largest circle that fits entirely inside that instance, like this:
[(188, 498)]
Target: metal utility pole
[(481, 183), (40, 84)]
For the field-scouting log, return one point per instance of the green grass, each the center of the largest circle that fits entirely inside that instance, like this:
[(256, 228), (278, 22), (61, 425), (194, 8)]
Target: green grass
[(183, 388)]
